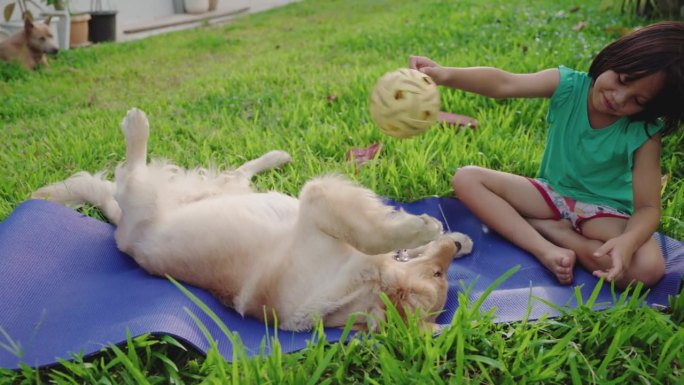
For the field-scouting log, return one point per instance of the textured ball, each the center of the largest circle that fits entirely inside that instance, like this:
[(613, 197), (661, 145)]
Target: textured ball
[(404, 103)]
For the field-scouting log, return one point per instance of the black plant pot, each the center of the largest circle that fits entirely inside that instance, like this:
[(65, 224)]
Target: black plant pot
[(102, 26)]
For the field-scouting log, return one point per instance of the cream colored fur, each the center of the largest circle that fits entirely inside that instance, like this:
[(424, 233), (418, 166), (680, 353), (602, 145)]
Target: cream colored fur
[(326, 255), (30, 45)]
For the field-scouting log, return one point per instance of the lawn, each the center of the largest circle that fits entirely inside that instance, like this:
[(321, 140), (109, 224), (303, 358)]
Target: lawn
[(298, 78)]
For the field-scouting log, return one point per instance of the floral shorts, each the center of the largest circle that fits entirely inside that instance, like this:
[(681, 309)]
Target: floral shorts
[(575, 211)]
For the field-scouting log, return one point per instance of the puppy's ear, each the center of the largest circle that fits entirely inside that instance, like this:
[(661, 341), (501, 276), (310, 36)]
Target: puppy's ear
[(28, 26), (398, 298), (47, 21)]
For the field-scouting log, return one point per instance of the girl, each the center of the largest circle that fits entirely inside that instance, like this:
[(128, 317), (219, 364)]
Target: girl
[(596, 198)]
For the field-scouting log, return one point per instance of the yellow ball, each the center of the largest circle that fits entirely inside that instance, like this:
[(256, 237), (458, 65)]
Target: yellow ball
[(404, 103)]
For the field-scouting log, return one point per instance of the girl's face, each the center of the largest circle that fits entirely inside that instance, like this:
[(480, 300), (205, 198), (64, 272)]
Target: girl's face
[(616, 94)]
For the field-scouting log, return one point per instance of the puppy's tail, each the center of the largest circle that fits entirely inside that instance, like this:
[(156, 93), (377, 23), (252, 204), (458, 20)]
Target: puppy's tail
[(83, 188)]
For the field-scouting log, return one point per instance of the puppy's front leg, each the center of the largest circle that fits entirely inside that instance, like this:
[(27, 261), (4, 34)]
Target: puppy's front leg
[(269, 160), (355, 215), (464, 245), (238, 180)]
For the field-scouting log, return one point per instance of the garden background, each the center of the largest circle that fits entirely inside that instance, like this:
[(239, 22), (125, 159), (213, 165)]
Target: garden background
[(297, 78)]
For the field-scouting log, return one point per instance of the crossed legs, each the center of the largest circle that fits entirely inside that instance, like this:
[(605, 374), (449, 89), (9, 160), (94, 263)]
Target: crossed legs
[(512, 206), (504, 202), (647, 264)]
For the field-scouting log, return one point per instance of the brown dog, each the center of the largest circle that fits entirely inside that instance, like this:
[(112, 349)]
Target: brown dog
[(30, 45)]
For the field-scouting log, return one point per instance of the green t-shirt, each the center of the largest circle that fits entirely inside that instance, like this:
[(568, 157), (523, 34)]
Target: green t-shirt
[(587, 164)]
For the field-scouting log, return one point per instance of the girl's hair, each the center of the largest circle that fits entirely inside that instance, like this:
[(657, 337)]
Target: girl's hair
[(655, 48)]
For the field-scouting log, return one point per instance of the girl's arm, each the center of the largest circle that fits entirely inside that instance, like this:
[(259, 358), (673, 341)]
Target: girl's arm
[(489, 81), (646, 187), (646, 217)]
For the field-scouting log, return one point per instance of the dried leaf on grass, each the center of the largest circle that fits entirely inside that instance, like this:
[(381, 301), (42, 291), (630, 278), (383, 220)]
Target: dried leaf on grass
[(360, 155)]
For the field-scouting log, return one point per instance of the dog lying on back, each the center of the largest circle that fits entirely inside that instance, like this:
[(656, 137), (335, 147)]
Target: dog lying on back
[(327, 255), (30, 45)]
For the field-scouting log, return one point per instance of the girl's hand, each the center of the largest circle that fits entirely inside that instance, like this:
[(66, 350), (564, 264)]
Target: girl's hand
[(418, 62), (427, 66), (620, 251)]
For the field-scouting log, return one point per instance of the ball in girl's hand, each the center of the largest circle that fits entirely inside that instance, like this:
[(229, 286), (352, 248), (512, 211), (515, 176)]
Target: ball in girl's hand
[(404, 103)]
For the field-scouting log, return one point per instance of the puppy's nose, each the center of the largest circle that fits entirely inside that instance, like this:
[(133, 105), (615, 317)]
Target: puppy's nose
[(52, 51)]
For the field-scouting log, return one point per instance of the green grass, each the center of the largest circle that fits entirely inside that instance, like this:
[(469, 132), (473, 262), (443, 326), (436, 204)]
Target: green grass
[(223, 95)]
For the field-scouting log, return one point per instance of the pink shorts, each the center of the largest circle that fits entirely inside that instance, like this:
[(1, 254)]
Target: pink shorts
[(575, 211)]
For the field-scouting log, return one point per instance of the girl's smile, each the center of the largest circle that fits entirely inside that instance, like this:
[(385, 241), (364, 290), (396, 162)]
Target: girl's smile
[(606, 102), (614, 95)]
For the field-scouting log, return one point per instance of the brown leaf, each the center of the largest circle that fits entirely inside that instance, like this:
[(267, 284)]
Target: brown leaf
[(622, 31), (362, 155), (580, 26)]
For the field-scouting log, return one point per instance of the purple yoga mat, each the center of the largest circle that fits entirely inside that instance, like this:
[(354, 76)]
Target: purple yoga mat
[(65, 288)]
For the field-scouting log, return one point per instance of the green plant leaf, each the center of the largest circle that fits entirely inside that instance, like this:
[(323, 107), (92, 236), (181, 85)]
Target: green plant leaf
[(7, 12)]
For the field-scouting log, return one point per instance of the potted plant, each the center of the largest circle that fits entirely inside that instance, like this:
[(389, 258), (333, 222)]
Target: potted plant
[(26, 9), (63, 21), (102, 25), (78, 37), (78, 23), (196, 6), (58, 5), (25, 5)]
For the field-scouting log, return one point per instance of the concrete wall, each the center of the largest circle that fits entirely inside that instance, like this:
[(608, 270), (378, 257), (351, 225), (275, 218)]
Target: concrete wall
[(132, 14), (130, 11)]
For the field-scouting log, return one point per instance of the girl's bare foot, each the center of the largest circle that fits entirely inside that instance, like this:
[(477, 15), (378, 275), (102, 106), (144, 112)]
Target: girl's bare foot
[(558, 260)]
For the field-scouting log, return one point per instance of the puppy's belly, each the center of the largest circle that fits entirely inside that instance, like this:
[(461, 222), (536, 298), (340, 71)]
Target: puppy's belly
[(219, 241)]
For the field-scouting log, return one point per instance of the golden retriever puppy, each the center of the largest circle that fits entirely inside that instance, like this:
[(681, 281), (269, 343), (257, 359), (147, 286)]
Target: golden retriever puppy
[(326, 255), (30, 45)]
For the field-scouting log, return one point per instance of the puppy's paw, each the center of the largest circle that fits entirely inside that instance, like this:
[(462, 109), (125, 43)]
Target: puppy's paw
[(42, 193), (421, 229), (277, 158), (464, 245), (135, 120)]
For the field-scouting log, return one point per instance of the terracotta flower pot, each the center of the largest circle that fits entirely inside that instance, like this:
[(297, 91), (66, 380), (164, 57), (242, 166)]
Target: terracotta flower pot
[(196, 6), (78, 36)]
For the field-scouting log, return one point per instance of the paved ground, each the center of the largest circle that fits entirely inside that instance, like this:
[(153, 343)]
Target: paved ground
[(226, 10)]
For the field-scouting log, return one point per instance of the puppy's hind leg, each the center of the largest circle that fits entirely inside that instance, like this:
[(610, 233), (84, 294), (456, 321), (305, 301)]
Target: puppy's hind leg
[(136, 129), (94, 189), (136, 188), (84, 188)]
